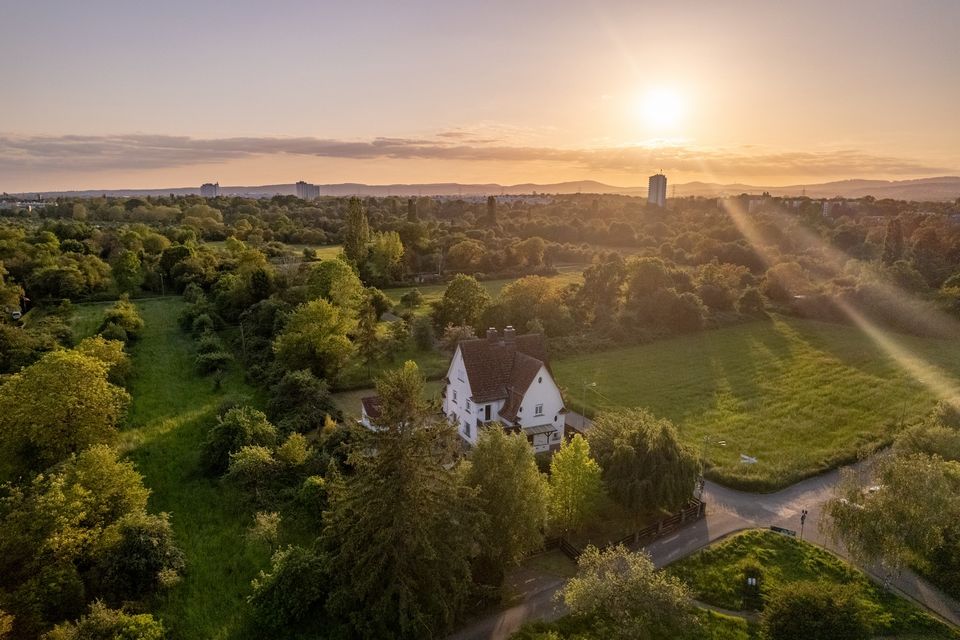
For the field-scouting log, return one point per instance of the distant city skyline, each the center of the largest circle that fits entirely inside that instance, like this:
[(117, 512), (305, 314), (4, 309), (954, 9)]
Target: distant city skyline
[(110, 94)]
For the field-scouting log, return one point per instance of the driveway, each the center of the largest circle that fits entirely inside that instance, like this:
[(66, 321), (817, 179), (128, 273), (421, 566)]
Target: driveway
[(728, 511)]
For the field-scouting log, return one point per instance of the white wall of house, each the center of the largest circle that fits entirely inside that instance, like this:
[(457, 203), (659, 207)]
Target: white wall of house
[(457, 405), (541, 405)]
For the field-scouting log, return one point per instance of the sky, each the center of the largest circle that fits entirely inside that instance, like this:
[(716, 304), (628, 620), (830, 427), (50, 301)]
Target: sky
[(129, 94)]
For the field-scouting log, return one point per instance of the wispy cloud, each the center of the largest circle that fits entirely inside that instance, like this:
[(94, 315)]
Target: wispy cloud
[(125, 152)]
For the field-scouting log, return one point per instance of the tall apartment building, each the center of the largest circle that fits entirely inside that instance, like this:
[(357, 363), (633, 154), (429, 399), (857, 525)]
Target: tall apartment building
[(210, 189), (307, 191), (657, 190)]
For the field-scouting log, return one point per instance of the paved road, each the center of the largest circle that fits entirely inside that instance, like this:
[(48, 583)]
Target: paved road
[(728, 511)]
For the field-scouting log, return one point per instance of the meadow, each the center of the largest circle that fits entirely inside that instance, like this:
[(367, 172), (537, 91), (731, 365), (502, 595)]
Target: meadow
[(799, 396), (172, 409)]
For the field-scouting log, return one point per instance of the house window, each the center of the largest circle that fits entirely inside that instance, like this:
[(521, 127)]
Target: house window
[(468, 406), (538, 410), (486, 412), (540, 379), (466, 429), (454, 395)]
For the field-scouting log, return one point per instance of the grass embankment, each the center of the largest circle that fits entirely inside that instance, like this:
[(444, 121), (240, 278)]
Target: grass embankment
[(716, 575), (800, 396), (171, 410)]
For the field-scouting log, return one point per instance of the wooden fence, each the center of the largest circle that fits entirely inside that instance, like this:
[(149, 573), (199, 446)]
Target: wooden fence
[(694, 510)]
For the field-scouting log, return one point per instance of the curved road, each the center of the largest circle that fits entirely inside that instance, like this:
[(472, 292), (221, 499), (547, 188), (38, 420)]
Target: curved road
[(728, 511)]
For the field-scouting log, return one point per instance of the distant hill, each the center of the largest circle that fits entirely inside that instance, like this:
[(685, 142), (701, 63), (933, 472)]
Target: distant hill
[(940, 188)]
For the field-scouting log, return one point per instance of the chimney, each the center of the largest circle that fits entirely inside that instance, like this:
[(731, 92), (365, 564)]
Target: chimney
[(491, 334), (509, 334)]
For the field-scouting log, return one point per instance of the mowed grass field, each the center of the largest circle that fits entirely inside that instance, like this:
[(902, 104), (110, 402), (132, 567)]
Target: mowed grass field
[(171, 411), (800, 396)]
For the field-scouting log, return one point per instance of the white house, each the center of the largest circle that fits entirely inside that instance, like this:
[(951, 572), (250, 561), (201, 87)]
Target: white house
[(505, 379), (370, 411)]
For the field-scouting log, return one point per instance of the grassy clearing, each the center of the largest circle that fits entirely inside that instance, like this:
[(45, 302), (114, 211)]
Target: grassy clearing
[(800, 396), (86, 318), (433, 292), (172, 409), (433, 364), (717, 573)]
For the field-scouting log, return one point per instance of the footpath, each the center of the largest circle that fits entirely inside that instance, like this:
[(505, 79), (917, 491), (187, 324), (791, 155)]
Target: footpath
[(728, 511)]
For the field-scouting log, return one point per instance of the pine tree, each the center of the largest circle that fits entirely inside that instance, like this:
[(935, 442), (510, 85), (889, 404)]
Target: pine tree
[(400, 529)]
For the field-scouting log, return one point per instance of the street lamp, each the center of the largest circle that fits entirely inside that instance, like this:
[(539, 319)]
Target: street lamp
[(803, 519)]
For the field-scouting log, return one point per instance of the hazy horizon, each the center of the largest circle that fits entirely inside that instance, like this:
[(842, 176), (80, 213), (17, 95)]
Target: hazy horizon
[(109, 95)]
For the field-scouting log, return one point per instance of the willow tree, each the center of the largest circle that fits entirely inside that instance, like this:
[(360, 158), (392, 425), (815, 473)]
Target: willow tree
[(645, 467)]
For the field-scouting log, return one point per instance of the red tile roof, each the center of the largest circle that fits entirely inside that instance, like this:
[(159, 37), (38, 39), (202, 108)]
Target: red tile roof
[(502, 369)]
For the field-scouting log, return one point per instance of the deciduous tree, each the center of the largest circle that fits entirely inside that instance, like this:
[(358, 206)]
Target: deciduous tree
[(576, 485)]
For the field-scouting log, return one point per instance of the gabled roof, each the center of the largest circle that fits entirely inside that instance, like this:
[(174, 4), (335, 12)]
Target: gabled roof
[(371, 406), (498, 368)]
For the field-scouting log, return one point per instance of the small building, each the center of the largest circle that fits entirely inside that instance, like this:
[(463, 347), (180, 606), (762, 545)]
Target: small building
[(210, 189), (507, 380), (370, 411)]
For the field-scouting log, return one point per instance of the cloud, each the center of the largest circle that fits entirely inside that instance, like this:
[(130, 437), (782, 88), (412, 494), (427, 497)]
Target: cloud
[(131, 152)]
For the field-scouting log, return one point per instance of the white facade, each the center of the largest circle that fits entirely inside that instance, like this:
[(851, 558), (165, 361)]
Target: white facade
[(210, 189), (540, 414), (657, 190), (307, 191)]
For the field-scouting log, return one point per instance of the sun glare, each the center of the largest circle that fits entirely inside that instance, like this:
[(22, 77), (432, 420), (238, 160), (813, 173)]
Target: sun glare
[(661, 108)]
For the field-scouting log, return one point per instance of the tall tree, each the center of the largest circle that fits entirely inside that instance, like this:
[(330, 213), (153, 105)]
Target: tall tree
[(400, 529), (645, 467), (512, 494), (893, 242), (57, 406), (315, 338), (463, 303), (412, 210), (576, 485), (356, 232), (628, 598), (491, 211)]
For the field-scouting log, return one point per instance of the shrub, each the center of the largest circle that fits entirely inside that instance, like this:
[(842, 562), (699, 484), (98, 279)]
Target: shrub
[(124, 314), (202, 324), (239, 427), (822, 610), (254, 469), (294, 588), (193, 293), (423, 333), (111, 352), (101, 623), (751, 302), (210, 362), (412, 299), (209, 343), (113, 331), (142, 560), (300, 402)]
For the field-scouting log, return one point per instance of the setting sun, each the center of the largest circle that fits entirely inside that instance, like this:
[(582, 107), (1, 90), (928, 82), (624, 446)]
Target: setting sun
[(661, 109)]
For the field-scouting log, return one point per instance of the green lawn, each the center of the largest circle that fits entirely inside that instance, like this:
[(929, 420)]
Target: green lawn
[(172, 409), (800, 396), (717, 573), (86, 318)]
